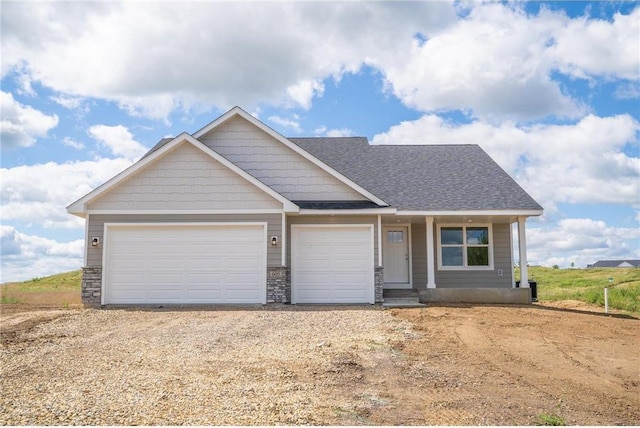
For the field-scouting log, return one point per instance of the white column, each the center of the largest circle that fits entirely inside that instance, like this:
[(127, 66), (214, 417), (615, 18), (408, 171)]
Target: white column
[(379, 240), (431, 272), (284, 239), (522, 244)]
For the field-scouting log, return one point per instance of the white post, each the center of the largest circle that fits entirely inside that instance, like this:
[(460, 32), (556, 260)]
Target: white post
[(379, 240), (606, 300), (522, 244), (431, 274)]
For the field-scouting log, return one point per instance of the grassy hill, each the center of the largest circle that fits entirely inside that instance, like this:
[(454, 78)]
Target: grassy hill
[(60, 289), (588, 285), (553, 284)]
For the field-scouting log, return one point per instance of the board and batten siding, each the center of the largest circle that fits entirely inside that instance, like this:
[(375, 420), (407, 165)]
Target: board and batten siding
[(333, 220), (185, 178), (97, 221), (419, 254), (483, 278), (276, 165)]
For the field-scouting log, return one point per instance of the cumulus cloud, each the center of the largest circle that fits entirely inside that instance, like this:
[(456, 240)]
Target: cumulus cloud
[(20, 124), (27, 201), (118, 140), (292, 124), (27, 256), (582, 162), (209, 53), (581, 241)]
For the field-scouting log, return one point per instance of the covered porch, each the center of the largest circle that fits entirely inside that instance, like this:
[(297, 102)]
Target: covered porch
[(454, 256)]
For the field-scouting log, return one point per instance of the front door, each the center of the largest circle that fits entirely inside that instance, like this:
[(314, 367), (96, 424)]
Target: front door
[(395, 257)]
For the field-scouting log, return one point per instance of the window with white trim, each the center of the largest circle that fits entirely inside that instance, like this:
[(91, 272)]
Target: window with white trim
[(465, 247)]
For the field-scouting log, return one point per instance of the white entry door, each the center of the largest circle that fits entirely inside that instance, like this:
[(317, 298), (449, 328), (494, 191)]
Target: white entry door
[(395, 257)]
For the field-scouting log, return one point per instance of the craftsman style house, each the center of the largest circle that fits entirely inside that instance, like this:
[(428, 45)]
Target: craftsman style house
[(236, 213)]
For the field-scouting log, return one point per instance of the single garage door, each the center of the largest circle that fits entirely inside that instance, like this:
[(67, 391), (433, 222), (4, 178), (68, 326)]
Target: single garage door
[(332, 264), (177, 263)]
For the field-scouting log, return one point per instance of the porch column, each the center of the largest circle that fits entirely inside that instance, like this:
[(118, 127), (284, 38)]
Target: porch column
[(522, 244), (431, 274)]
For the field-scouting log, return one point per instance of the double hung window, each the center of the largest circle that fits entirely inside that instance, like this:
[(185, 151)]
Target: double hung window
[(465, 247)]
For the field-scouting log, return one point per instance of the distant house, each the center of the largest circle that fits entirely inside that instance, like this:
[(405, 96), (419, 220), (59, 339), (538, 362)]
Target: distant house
[(615, 264)]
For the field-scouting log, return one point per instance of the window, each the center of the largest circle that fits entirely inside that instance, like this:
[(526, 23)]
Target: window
[(465, 247), (395, 237)]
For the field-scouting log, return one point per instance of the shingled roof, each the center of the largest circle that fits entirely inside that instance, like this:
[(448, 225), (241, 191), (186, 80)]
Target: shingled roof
[(423, 177)]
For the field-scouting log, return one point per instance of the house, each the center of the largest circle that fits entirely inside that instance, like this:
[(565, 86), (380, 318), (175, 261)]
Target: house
[(615, 264), (236, 213)]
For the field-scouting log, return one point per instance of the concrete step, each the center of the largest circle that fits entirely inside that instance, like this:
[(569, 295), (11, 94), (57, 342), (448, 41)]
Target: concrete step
[(402, 302)]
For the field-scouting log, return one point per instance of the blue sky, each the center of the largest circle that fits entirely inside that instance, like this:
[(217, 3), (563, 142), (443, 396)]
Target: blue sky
[(551, 90)]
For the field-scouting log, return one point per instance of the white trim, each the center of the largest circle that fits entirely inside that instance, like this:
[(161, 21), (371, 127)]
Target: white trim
[(362, 211), (237, 111), (284, 240), (380, 240), (410, 254), (464, 226), (473, 213), (108, 226), (370, 227), (80, 206), (513, 274), (431, 264), (86, 241), (189, 212)]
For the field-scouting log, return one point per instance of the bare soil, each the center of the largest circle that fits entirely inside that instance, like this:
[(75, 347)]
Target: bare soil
[(441, 365)]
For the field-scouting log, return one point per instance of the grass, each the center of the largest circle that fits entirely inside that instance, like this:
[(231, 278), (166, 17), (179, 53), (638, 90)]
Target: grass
[(551, 420), (62, 289), (588, 285)]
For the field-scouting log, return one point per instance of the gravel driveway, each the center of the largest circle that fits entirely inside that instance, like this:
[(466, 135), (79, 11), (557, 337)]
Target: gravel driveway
[(228, 367)]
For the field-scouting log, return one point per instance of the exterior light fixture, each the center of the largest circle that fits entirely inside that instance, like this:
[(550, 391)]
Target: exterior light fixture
[(95, 241), (274, 240)]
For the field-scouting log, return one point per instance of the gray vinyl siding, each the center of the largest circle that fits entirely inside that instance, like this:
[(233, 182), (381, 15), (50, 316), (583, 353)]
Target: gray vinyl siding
[(275, 164), (419, 254), (346, 219), (483, 278), (97, 221), (185, 178)]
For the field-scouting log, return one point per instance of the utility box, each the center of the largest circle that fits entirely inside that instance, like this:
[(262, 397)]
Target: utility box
[(534, 289)]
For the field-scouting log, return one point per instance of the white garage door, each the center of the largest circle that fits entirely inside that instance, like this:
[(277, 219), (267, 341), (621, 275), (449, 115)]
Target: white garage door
[(171, 263), (332, 264)]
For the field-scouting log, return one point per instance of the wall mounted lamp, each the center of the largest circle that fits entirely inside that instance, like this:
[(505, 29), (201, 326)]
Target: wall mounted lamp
[(95, 241), (274, 240)]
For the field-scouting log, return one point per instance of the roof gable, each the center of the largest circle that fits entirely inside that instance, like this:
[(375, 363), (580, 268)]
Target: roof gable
[(80, 206), (424, 177), (291, 157)]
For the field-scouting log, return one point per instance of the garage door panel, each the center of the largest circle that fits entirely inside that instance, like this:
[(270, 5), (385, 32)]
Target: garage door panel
[(332, 264), (185, 264)]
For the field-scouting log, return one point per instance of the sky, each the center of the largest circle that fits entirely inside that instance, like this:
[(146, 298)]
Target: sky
[(551, 90)]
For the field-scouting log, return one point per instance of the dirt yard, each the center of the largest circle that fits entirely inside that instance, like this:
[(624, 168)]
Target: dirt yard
[(442, 365)]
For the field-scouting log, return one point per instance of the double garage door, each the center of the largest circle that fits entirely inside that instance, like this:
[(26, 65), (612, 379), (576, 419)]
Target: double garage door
[(169, 263), (227, 263)]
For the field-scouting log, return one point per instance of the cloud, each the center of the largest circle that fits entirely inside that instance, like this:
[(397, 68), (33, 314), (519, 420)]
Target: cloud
[(27, 201), (118, 140), (498, 62), (583, 47), (27, 256), (69, 142), (206, 53), (581, 241), (292, 124), (20, 124), (583, 162)]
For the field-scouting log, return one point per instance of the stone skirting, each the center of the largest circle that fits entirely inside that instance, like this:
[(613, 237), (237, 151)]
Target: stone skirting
[(379, 284), (278, 284), (91, 286)]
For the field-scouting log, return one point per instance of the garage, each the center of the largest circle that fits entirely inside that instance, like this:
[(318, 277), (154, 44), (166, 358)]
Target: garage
[(185, 263), (332, 264)]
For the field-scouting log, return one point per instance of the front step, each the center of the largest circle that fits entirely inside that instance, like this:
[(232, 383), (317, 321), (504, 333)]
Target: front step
[(401, 299)]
